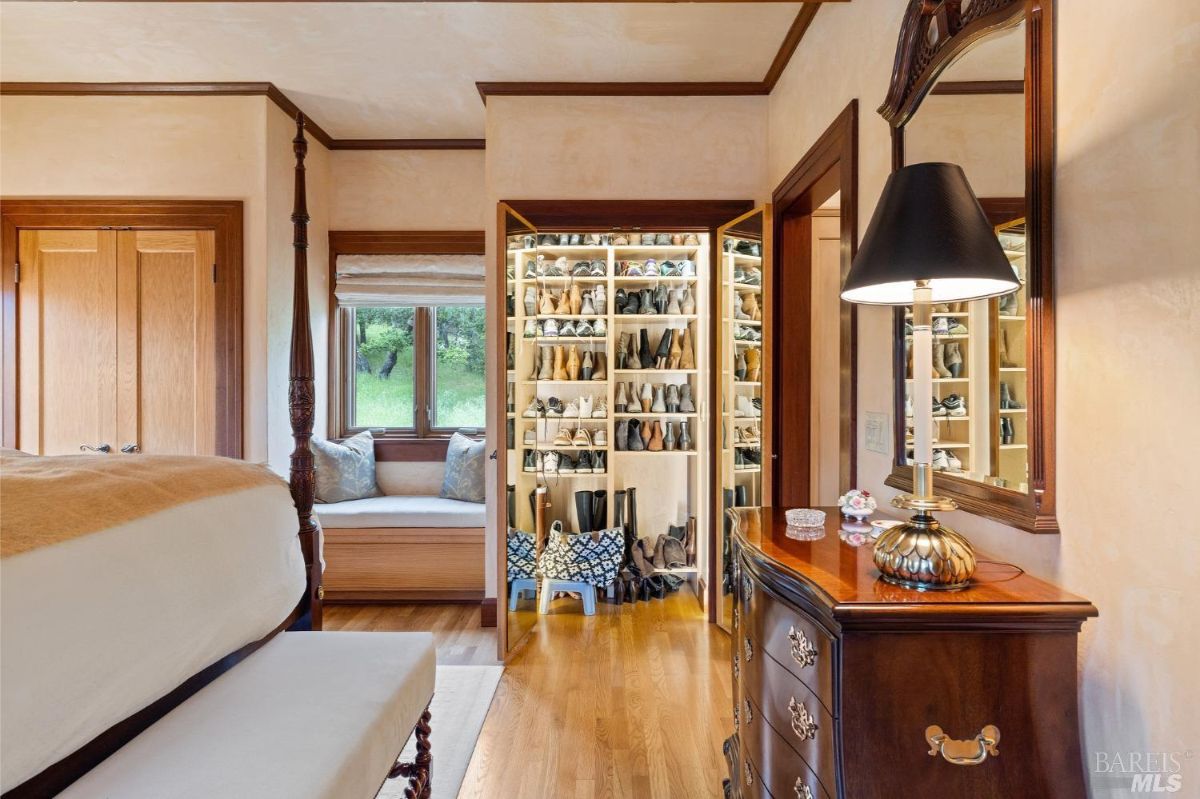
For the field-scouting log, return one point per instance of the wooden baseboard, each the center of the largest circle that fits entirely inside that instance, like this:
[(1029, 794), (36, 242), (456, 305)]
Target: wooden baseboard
[(404, 564), (487, 612)]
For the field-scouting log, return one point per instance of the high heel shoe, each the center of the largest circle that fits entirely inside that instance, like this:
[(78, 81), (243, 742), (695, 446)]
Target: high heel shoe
[(588, 366), (646, 300), (686, 405), (600, 372), (954, 359), (632, 359), (687, 303), (664, 349), (675, 354), (646, 397), (660, 299), (622, 350), (939, 361), (621, 403), (560, 360), (672, 399), (673, 303), (634, 441)]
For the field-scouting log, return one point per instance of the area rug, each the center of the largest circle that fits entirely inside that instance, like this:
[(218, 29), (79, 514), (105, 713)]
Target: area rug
[(461, 698)]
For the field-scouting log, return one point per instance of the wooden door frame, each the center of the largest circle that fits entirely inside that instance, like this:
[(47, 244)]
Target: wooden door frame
[(830, 165), (223, 217)]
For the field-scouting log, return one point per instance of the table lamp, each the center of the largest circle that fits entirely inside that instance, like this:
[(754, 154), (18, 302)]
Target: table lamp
[(928, 242)]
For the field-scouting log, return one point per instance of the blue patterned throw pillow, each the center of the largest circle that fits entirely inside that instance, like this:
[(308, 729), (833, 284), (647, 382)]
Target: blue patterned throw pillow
[(346, 470), (464, 470)]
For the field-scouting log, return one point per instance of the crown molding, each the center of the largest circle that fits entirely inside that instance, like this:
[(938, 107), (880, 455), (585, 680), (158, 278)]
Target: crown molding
[(233, 89)]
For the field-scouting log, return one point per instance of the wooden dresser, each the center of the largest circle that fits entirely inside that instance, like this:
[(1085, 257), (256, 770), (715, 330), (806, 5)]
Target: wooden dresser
[(840, 678)]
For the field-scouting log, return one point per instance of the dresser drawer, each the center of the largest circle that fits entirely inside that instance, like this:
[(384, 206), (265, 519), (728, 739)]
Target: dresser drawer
[(774, 764), (793, 710), (789, 635), (750, 782)]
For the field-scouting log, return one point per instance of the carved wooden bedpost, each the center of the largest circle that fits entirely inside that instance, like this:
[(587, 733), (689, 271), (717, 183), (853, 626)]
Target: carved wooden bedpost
[(301, 392)]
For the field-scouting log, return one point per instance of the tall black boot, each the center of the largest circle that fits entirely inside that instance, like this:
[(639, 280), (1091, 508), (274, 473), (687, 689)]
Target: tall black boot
[(533, 509), (512, 506), (664, 349), (583, 510), (600, 510), (645, 354), (619, 521), (631, 533), (726, 548), (740, 499)]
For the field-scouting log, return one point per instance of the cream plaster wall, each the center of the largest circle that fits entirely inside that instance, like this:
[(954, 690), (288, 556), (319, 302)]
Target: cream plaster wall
[(185, 148), (614, 148), (983, 133), (1128, 337), (407, 190)]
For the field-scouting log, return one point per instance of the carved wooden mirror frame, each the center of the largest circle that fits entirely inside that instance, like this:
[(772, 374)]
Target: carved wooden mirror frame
[(932, 35)]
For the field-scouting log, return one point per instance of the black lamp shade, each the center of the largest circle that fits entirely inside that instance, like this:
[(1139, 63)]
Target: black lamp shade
[(928, 226)]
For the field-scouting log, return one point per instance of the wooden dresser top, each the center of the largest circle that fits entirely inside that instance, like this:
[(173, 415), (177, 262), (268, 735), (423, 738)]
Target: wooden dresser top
[(842, 577)]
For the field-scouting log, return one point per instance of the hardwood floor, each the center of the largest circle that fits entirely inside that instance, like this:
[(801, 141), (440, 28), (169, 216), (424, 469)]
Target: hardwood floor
[(632, 703)]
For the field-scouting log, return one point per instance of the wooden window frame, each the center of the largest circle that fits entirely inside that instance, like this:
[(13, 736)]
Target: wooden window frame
[(422, 440)]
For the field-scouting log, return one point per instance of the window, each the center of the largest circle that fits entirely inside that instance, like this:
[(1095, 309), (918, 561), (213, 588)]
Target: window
[(413, 371)]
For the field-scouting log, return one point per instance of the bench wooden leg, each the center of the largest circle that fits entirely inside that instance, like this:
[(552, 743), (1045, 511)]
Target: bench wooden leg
[(419, 773)]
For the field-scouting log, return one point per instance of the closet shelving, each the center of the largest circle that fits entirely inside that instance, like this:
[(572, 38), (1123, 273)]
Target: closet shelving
[(957, 436), (1009, 431), (740, 476), (670, 484)]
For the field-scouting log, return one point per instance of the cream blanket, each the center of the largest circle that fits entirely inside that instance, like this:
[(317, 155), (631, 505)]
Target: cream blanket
[(48, 500)]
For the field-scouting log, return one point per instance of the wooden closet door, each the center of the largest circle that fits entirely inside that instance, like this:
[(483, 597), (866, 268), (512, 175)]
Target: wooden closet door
[(166, 391), (67, 357)]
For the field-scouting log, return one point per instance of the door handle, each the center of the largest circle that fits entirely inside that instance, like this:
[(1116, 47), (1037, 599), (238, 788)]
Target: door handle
[(130, 448), (97, 448)]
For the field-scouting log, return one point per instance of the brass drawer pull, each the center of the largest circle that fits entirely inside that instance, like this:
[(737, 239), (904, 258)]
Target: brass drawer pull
[(747, 588), (737, 666), (735, 617), (803, 651), (749, 649), (964, 753), (749, 775), (803, 724), (802, 789), (737, 718), (748, 710)]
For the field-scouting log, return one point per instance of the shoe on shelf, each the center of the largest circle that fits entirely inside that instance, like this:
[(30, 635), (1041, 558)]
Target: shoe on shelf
[(554, 408), (550, 462), (587, 308), (908, 407), (686, 405), (940, 461), (600, 329), (600, 409), (956, 328), (953, 464), (598, 462), (954, 359), (536, 408), (939, 361), (571, 411), (1008, 400), (600, 438), (530, 438), (659, 404), (954, 405), (941, 326), (672, 398), (562, 438), (566, 464), (586, 404), (621, 403), (744, 406), (600, 300), (585, 329), (530, 328), (938, 408), (646, 397), (582, 437), (599, 268)]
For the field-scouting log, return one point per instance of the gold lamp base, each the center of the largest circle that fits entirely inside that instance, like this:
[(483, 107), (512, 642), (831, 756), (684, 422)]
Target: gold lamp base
[(921, 553)]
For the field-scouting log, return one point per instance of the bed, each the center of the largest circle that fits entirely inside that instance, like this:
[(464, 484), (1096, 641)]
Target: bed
[(210, 679)]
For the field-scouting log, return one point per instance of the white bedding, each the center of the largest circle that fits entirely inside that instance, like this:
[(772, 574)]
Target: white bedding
[(95, 628)]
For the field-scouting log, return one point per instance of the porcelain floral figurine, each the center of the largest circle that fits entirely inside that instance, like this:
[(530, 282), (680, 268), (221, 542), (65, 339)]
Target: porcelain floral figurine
[(857, 503)]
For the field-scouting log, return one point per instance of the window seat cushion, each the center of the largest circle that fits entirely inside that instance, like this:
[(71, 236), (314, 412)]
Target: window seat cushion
[(312, 715), (401, 511)]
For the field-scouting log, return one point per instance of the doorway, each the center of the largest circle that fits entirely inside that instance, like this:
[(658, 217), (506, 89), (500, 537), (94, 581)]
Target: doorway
[(814, 354)]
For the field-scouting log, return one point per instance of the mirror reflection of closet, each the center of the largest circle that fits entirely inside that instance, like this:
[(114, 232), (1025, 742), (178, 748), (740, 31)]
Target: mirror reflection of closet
[(975, 117), (743, 457), (521, 545)]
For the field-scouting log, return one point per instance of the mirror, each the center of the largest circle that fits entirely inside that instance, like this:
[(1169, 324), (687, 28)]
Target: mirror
[(743, 458), (520, 252), (973, 86), (979, 384)]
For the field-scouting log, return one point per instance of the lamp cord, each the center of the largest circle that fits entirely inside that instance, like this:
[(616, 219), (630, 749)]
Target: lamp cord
[(1019, 571)]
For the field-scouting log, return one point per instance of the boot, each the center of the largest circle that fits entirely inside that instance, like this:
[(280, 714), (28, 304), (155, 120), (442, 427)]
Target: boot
[(646, 299), (739, 497), (689, 541), (954, 359), (619, 509), (632, 359), (622, 349), (673, 307), (672, 399), (659, 405), (600, 510), (685, 399), (939, 360), (631, 530), (750, 307), (739, 365), (664, 349), (560, 360), (621, 403), (669, 440), (588, 365), (1005, 361), (576, 300), (600, 300), (634, 443), (583, 510), (645, 354), (512, 506), (753, 364), (687, 359), (647, 433), (1008, 400), (675, 353), (908, 359), (573, 363), (660, 558), (656, 438), (508, 358), (622, 435), (546, 307), (643, 561), (687, 302), (685, 438), (660, 299), (564, 304), (546, 372), (647, 398), (600, 372)]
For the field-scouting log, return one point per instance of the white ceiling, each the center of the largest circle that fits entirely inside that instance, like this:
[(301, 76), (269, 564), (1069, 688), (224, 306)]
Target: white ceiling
[(390, 70)]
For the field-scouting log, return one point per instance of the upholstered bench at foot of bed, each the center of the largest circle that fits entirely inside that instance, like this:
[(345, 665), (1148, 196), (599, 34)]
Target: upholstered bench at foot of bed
[(396, 548), (311, 715)]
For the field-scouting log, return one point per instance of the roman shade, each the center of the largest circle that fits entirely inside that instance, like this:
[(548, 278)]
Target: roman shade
[(384, 280)]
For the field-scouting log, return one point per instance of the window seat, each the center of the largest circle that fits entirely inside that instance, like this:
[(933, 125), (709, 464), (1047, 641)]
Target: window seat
[(409, 544)]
